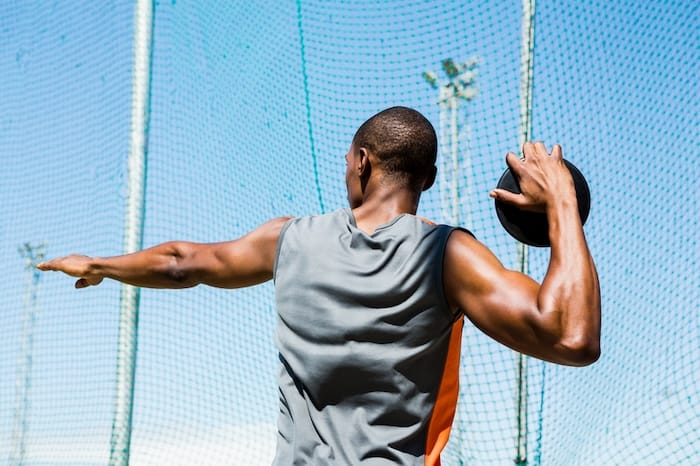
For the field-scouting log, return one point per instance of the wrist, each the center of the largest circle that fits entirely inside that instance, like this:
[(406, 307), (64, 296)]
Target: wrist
[(564, 222), (559, 204), (93, 267)]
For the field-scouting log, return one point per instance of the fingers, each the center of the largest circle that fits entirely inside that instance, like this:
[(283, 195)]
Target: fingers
[(537, 173), (512, 159), (75, 266), (514, 163), (528, 150), (556, 152), (540, 149), (54, 266), (508, 197), (45, 266), (537, 148)]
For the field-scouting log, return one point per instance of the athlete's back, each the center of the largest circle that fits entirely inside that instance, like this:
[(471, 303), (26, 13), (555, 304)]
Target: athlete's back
[(364, 334)]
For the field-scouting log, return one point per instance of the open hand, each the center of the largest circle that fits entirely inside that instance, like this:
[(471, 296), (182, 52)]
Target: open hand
[(543, 178), (74, 265)]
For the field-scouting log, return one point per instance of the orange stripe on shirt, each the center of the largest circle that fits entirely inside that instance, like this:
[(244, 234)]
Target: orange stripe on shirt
[(446, 402)]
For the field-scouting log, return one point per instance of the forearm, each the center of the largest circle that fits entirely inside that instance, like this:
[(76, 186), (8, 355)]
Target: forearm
[(161, 266), (569, 298)]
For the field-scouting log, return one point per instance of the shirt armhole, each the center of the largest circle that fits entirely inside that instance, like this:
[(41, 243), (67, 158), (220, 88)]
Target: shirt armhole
[(278, 250), (441, 284)]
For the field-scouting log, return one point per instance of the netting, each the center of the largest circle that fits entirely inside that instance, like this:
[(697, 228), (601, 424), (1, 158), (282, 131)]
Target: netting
[(252, 110)]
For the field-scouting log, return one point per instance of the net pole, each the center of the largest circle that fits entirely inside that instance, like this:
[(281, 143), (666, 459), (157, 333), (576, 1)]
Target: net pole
[(454, 149), (446, 207), (525, 130), (133, 232), (458, 86), (32, 255)]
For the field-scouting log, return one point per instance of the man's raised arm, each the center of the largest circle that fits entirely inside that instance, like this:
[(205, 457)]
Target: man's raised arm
[(557, 321), (246, 261)]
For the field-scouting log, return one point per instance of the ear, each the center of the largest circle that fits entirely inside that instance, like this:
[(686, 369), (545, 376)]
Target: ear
[(363, 163), (430, 179)]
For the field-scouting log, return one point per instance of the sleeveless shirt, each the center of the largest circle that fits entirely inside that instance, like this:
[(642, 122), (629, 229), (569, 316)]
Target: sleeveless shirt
[(368, 348)]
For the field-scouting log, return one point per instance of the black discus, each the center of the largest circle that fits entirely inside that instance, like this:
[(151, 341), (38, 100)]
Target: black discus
[(532, 228)]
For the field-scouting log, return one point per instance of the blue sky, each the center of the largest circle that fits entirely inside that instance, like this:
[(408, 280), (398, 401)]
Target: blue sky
[(231, 145)]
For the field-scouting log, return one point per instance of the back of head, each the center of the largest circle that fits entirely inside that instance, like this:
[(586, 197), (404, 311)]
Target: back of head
[(403, 141)]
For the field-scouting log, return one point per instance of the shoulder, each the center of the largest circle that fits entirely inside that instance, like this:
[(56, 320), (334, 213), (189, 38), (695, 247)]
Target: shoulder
[(339, 216), (264, 238), (463, 245), (272, 228), (469, 266)]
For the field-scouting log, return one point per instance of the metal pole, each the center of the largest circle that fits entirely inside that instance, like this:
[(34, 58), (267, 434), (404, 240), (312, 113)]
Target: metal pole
[(525, 129), (445, 206), (133, 232), (459, 85), (454, 140), (32, 254)]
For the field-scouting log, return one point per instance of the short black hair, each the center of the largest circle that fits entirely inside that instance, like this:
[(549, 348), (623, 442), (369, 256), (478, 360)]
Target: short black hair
[(403, 140)]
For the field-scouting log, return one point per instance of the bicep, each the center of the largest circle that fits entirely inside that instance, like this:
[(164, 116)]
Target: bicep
[(501, 302), (246, 261)]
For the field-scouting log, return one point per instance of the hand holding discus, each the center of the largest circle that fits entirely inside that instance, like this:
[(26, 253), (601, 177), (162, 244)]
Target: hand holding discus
[(531, 185)]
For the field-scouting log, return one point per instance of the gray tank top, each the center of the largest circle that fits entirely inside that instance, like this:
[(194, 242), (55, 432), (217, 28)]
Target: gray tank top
[(369, 349)]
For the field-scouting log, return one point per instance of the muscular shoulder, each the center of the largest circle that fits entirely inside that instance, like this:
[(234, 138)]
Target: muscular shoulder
[(264, 239), (272, 228), (468, 265)]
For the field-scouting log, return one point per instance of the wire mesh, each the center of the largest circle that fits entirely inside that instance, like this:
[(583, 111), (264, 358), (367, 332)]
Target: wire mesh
[(253, 107)]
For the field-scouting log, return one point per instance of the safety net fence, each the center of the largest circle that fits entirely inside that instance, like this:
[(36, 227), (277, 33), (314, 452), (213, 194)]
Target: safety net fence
[(253, 106)]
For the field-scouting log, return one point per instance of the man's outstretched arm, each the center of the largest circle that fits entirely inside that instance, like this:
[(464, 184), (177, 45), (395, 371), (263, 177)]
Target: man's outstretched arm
[(559, 320), (246, 261)]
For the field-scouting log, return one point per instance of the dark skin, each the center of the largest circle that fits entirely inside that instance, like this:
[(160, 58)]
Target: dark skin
[(557, 320)]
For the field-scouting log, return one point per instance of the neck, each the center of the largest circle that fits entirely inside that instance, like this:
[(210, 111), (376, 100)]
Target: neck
[(382, 204)]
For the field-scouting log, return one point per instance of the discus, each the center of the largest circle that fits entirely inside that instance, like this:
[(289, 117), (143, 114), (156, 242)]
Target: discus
[(532, 228)]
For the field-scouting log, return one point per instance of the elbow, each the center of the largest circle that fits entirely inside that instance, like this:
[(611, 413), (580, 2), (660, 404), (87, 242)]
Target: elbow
[(178, 276), (176, 270), (580, 351)]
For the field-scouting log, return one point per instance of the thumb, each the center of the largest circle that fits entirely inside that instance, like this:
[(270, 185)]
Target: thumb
[(81, 283), (85, 282), (508, 197)]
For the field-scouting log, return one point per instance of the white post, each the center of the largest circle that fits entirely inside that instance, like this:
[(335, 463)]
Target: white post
[(32, 254), (443, 171), (525, 127), (454, 142), (459, 85), (133, 229)]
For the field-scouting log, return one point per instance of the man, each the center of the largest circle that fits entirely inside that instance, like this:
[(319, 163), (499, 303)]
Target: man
[(371, 299)]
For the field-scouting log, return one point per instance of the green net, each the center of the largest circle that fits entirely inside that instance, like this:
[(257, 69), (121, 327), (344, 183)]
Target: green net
[(253, 107)]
